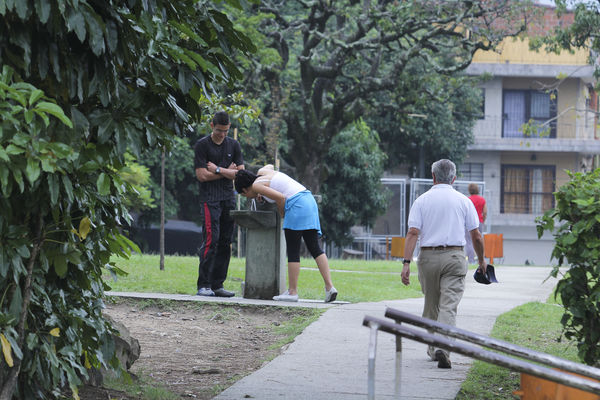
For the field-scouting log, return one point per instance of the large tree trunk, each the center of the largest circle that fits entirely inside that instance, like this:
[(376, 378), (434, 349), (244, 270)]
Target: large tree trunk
[(275, 118)]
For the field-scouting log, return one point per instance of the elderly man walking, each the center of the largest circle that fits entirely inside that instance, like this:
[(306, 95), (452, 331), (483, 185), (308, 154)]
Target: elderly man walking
[(439, 218)]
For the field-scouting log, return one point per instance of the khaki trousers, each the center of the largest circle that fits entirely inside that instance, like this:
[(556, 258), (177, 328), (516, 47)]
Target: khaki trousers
[(442, 277)]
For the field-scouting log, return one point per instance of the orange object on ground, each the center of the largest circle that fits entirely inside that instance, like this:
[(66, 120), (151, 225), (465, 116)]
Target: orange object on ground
[(534, 388), (494, 247), (397, 247)]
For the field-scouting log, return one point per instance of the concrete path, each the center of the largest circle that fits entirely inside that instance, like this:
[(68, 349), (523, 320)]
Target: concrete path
[(328, 361)]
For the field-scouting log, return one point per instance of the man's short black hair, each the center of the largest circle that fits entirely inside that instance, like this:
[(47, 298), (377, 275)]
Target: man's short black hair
[(220, 118), (243, 180)]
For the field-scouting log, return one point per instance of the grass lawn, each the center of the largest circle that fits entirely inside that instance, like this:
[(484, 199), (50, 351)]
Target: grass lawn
[(533, 325), (356, 280)]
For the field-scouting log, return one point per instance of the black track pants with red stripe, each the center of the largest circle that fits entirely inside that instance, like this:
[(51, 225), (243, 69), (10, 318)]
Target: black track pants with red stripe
[(215, 251)]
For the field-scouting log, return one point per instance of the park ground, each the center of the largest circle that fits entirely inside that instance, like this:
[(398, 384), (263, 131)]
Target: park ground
[(196, 350)]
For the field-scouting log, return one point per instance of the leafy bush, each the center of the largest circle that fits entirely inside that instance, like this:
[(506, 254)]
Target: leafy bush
[(83, 84), (575, 224)]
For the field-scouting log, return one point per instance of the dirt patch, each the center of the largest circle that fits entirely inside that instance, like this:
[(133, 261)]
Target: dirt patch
[(197, 350)]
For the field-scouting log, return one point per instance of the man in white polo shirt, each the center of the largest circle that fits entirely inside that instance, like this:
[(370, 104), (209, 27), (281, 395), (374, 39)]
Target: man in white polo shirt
[(439, 217)]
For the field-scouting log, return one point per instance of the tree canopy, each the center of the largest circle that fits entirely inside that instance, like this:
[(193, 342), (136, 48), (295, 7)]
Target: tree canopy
[(83, 84), (329, 60)]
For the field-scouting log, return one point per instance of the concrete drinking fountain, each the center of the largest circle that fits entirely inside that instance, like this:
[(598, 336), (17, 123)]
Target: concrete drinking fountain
[(265, 251)]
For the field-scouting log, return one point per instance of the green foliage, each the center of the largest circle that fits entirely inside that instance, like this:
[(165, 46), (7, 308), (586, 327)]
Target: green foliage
[(575, 224), (337, 59), (181, 185), (138, 176), (352, 192), (434, 114), (534, 129), (580, 34), (57, 232), (83, 84)]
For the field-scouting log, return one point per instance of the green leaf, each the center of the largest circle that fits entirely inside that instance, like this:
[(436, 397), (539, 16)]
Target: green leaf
[(4, 155), (6, 350), (23, 251), (112, 35), (4, 172), (60, 265), (19, 179), (14, 150), (53, 188), (84, 227), (105, 130), (95, 30), (76, 22), (16, 304), (48, 164), (68, 187), (43, 116), (32, 171), (35, 96), (21, 7), (29, 116), (187, 31), (103, 184), (55, 110), (43, 7)]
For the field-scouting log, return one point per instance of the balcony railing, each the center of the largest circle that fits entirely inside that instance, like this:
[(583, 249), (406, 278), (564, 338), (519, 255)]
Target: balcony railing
[(580, 128)]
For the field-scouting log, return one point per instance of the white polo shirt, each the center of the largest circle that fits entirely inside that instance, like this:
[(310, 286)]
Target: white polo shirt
[(442, 215)]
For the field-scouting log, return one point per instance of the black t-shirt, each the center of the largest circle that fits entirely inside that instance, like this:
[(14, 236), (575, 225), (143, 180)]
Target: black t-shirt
[(222, 155)]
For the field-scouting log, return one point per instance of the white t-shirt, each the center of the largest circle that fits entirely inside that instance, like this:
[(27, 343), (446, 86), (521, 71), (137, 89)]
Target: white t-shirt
[(284, 185), (442, 215)]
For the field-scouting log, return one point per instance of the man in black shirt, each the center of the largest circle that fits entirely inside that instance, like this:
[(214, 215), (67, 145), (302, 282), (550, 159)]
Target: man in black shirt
[(217, 158)]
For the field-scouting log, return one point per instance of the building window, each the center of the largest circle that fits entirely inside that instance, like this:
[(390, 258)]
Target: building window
[(527, 189), (522, 106), (470, 172)]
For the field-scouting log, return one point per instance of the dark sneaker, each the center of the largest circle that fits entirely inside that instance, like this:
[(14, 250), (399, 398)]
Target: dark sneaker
[(223, 293), (443, 359), (205, 292)]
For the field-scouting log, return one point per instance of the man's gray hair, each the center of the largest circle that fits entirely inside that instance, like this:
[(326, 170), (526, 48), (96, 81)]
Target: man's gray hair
[(444, 170)]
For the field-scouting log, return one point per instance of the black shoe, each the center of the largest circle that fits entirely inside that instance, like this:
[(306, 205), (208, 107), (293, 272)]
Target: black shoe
[(443, 359), (223, 293)]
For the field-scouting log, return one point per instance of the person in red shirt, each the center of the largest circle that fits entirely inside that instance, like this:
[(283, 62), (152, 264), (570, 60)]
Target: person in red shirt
[(481, 208)]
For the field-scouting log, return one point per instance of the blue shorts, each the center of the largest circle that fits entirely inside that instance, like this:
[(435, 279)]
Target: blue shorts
[(302, 213)]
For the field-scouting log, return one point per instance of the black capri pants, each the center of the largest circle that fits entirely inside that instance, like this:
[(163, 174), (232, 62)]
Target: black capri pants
[(293, 240)]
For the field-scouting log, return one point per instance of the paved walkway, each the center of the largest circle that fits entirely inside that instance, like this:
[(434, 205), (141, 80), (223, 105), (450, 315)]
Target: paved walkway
[(328, 361)]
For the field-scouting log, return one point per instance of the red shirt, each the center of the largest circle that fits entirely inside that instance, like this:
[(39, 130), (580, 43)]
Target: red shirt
[(479, 202)]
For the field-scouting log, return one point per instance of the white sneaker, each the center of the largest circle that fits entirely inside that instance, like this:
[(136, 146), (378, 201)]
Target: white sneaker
[(330, 294), (286, 296)]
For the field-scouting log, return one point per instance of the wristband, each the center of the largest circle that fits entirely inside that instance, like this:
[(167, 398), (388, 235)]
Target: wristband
[(406, 261)]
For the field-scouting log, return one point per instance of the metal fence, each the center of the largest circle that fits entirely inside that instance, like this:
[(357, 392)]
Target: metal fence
[(502, 355)]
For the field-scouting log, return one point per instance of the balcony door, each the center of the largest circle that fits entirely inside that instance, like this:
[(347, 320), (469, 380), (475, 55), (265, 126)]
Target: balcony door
[(522, 106)]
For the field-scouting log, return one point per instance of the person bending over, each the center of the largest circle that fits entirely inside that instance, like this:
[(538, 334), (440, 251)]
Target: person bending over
[(300, 214)]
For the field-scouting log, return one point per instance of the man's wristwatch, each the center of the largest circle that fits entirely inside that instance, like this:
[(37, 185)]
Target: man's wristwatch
[(406, 261), (218, 170)]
